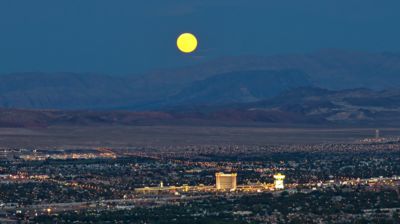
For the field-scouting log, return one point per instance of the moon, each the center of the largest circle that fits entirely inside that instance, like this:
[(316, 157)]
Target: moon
[(187, 43)]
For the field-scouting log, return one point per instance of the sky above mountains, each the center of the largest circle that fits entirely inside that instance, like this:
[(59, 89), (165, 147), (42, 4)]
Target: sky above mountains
[(128, 37)]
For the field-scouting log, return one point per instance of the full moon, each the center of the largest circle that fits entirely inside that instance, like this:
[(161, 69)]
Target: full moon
[(187, 43)]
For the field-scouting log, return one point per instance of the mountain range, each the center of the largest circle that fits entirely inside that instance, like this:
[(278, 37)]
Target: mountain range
[(303, 106), (222, 81), (329, 86)]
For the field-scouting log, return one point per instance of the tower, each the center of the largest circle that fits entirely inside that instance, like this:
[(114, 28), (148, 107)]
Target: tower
[(377, 134), (225, 181), (279, 178)]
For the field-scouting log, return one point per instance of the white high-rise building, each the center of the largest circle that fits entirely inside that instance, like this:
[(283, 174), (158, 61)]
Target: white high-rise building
[(279, 181)]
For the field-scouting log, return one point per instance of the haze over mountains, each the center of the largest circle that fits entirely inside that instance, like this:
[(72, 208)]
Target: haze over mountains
[(288, 88)]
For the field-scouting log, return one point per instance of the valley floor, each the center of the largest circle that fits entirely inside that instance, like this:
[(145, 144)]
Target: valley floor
[(137, 136)]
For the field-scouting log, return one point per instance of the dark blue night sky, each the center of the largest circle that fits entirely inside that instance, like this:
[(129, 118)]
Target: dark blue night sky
[(132, 36)]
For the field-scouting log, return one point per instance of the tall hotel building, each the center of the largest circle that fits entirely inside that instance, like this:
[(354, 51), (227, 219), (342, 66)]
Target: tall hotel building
[(226, 181), (279, 181)]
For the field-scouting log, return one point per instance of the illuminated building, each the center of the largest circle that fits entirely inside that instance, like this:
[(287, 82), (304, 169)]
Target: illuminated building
[(226, 181), (279, 178)]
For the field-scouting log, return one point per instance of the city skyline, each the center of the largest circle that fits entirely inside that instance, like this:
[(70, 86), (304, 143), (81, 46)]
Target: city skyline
[(200, 112)]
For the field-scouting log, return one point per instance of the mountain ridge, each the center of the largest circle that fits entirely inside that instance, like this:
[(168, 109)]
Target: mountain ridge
[(301, 106), (331, 69)]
